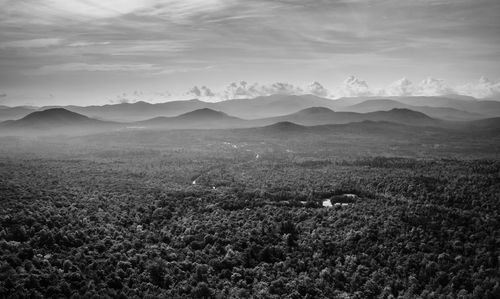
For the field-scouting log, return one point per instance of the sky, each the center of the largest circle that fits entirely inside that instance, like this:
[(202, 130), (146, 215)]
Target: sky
[(84, 52)]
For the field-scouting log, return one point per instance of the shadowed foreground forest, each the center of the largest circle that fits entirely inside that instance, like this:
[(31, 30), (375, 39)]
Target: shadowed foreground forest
[(220, 215)]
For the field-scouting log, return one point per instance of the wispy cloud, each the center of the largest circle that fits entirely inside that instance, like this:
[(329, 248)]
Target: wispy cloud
[(211, 42), (76, 66), (31, 43), (181, 11), (177, 70), (87, 44)]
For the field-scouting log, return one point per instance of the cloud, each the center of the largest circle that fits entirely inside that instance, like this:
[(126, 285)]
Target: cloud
[(169, 71), (182, 11), (317, 89), (430, 86), (3, 95), (31, 43), (433, 87), (482, 88), (401, 87), (87, 44), (77, 66), (281, 88), (139, 95), (354, 87), (94, 8), (243, 90), (123, 98), (201, 92)]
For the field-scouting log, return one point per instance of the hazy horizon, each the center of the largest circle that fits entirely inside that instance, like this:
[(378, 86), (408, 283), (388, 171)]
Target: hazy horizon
[(57, 52)]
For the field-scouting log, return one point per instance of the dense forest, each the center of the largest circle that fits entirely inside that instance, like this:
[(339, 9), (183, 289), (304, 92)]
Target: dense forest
[(221, 216)]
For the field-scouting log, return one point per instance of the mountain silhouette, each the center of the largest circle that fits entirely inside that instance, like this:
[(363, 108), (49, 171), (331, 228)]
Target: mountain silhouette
[(284, 127), (204, 118), (273, 105), (322, 116), (445, 113), (129, 112), (12, 113), (450, 107), (55, 120)]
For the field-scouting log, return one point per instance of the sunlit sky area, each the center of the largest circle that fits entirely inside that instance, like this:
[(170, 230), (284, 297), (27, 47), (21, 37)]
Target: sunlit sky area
[(99, 52)]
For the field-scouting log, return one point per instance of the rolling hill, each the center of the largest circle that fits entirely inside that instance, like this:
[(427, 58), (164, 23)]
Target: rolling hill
[(284, 127), (55, 120), (63, 121), (204, 118), (375, 105), (11, 113), (209, 118), (468, 104), (445, 113), (130, 112), (277, 105), (322, 116), (274, 105), (349, 132), (451, 108)]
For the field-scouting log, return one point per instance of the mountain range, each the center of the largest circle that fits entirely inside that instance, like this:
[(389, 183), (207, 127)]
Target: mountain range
[(450, 108), (55, 121), (446, 113), (201, 118), (63, 121), (322, 116)]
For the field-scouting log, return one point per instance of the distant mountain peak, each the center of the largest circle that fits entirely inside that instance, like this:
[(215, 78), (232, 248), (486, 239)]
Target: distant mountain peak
[(56, 120), (52, 114), (409, 112), (315, 110), (285, 126), (204, 113)]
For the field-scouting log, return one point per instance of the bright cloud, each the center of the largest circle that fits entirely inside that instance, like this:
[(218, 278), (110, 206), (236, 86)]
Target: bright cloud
[(201, 92), (241, 90), (482, 88), (433, 87), (281, 88), (353, 87), (139, 95), (401, 87), (317, 89)]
